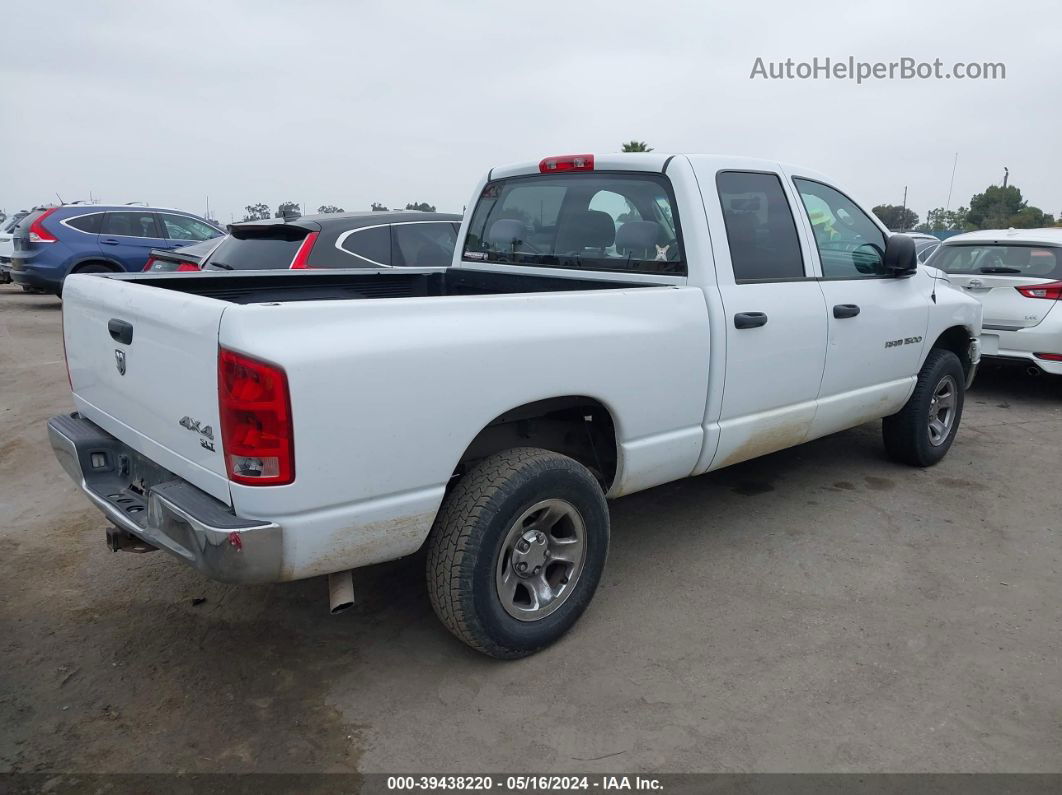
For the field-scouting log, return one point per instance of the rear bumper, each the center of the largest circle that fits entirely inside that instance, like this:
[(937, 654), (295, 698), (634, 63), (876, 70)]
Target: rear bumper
[(1024, 344), (30, 277), (173, 515)]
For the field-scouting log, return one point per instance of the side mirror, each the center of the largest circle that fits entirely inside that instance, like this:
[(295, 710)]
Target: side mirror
[(901, 259)]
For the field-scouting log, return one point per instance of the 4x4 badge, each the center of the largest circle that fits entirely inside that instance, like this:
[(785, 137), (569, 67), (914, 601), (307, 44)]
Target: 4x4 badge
[(119, 359)]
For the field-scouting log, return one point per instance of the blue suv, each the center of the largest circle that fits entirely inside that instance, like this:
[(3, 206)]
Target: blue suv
[(52, 242)]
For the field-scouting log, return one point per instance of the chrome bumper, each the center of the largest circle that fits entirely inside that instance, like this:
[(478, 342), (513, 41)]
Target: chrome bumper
[(174, 515)]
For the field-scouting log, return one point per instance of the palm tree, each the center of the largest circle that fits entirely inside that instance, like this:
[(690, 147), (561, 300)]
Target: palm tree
[(636, 146)]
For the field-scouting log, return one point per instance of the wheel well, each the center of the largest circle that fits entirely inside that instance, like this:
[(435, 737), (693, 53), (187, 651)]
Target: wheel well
[(105, 263), (957, 340), (576, 426)]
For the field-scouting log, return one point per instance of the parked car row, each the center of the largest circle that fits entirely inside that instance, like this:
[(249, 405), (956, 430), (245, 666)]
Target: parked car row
[(1016, 275), (51, 243), (39, 249)]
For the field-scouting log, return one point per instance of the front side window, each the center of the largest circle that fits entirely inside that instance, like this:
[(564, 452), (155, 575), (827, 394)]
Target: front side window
[(591, 221), (130, 224), (423, 245), (371, 245), (760, 229), (181, 227), (851, 246), (1014, 260)]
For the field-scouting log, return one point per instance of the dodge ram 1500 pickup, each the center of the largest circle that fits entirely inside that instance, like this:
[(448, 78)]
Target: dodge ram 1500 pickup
[(609, 323)]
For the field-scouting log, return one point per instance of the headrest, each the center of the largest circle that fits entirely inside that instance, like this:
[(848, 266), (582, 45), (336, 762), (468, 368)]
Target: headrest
[(506, 232), (637, 235), (741, 227), (588, 229)]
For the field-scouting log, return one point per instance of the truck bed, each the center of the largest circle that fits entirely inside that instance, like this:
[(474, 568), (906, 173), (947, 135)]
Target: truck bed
[(318, 285)]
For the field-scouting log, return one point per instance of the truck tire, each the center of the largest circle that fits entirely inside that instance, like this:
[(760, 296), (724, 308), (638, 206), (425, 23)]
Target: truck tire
[(921, 433), (517, 551)]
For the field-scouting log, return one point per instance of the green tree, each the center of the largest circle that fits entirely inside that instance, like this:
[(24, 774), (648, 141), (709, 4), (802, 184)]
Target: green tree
[(636, 146), (285, 209), (896, 216), (378, 208), (256, 212), (423, 207), (998, 208), (940, 220), (329, 208)]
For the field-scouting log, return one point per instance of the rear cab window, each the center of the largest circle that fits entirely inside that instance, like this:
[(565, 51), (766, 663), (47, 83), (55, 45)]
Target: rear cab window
[(1010, 259), (605, 221)]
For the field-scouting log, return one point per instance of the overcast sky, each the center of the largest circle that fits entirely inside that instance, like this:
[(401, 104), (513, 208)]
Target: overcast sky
[(348, 103)]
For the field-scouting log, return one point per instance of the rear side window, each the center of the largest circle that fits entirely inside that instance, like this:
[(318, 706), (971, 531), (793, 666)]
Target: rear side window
[(1014, 260), (181, 227), (590, 221), (370, 246), (764, 245), (269, 249), (130, 224), (423, 245), (851, 246), (89, 224)]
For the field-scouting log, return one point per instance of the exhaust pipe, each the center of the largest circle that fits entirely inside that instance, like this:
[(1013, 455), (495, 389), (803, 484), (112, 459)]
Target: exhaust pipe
[(1033, 370), (340, 591)]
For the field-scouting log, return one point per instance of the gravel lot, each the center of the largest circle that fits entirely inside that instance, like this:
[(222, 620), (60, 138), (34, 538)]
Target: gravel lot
[(820, 609)]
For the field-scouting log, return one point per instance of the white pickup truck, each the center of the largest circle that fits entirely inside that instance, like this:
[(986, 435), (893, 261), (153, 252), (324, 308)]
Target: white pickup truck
[(609, 323)]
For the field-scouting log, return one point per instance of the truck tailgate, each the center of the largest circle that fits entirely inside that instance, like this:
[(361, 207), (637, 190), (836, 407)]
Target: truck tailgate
[(144, 366)]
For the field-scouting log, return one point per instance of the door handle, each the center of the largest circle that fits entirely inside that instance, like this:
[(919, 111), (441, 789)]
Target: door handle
[(109, 242), (750, 320), (845, 310), (120, 330)]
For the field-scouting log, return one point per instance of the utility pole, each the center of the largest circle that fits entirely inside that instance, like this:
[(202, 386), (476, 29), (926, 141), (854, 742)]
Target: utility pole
[(951, 185), (903, 213), (1006, 174)]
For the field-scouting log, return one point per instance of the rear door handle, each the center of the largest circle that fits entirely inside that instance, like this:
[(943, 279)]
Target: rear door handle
[(845, 310), (121, 331), (750, 320), (109, 242)]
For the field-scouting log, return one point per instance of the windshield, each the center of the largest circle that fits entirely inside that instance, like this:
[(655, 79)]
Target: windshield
[(9, 224), (591, 221), (1016, 260)]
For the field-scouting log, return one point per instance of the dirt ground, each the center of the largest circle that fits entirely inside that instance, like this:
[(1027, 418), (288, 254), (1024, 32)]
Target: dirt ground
[(820, 609)]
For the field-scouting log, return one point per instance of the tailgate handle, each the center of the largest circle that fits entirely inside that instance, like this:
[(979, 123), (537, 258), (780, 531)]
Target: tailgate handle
[(120, 331)]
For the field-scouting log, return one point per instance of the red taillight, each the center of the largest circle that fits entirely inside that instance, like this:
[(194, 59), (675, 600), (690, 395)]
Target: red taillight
[(37, 232), (256, 429), (1051, 357), (149, 264), (1052, 291), (566, 163), (187, 267), (303, 254)]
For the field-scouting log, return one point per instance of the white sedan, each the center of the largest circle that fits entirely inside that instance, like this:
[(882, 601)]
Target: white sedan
[(1016, 274)]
